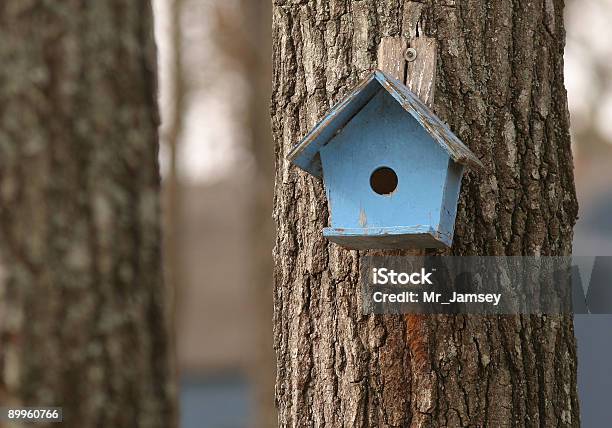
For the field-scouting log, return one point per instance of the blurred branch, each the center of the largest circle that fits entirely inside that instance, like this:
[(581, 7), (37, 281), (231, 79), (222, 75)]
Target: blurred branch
[(243, 33), (171, 139), (232, 35)]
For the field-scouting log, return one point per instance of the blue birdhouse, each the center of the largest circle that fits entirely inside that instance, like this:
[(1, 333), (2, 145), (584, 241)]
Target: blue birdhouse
[(391, 168)]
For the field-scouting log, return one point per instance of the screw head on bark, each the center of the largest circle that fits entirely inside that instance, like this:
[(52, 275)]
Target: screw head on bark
[(410, 54)]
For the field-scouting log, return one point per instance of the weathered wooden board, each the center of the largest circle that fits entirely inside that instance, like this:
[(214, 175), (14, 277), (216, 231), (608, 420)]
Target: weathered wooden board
[(391, 56), (388, 238), (418, 75), (421, 73)]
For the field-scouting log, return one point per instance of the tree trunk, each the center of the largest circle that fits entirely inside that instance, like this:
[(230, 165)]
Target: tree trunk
[(83, 322), (500, 88), (172, 191), (257, 69)]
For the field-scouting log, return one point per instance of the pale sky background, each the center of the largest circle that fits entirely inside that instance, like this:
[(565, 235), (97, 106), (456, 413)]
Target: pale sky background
[(212, 139), (589, 40)]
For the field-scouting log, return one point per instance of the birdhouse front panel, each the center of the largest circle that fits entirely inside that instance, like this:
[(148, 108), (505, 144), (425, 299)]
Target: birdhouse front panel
[(384, 176), (392, 169)]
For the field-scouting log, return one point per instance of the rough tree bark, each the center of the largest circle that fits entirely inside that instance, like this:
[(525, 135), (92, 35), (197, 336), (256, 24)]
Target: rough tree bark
[(83, 321), (500, 88)]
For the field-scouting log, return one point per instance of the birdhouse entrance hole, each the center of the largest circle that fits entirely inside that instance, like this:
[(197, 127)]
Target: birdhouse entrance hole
[(383, 180)]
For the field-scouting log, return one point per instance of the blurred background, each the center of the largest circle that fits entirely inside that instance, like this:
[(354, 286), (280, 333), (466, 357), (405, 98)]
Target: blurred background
[(217, 168), (217, 155)]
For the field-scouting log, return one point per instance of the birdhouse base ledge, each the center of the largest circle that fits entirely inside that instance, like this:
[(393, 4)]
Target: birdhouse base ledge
[(388, 238)]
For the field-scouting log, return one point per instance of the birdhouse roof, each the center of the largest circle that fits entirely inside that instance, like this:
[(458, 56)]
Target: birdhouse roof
[(306, 153)]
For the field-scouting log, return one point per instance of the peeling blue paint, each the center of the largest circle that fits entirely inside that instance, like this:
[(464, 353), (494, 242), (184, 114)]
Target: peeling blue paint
[(382, 124), (305, 154)]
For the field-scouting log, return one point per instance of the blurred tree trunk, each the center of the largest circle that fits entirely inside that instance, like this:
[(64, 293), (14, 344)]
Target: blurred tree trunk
[(258, 72), (500, 88), (172, 188), (84, 325), (244, 34)]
